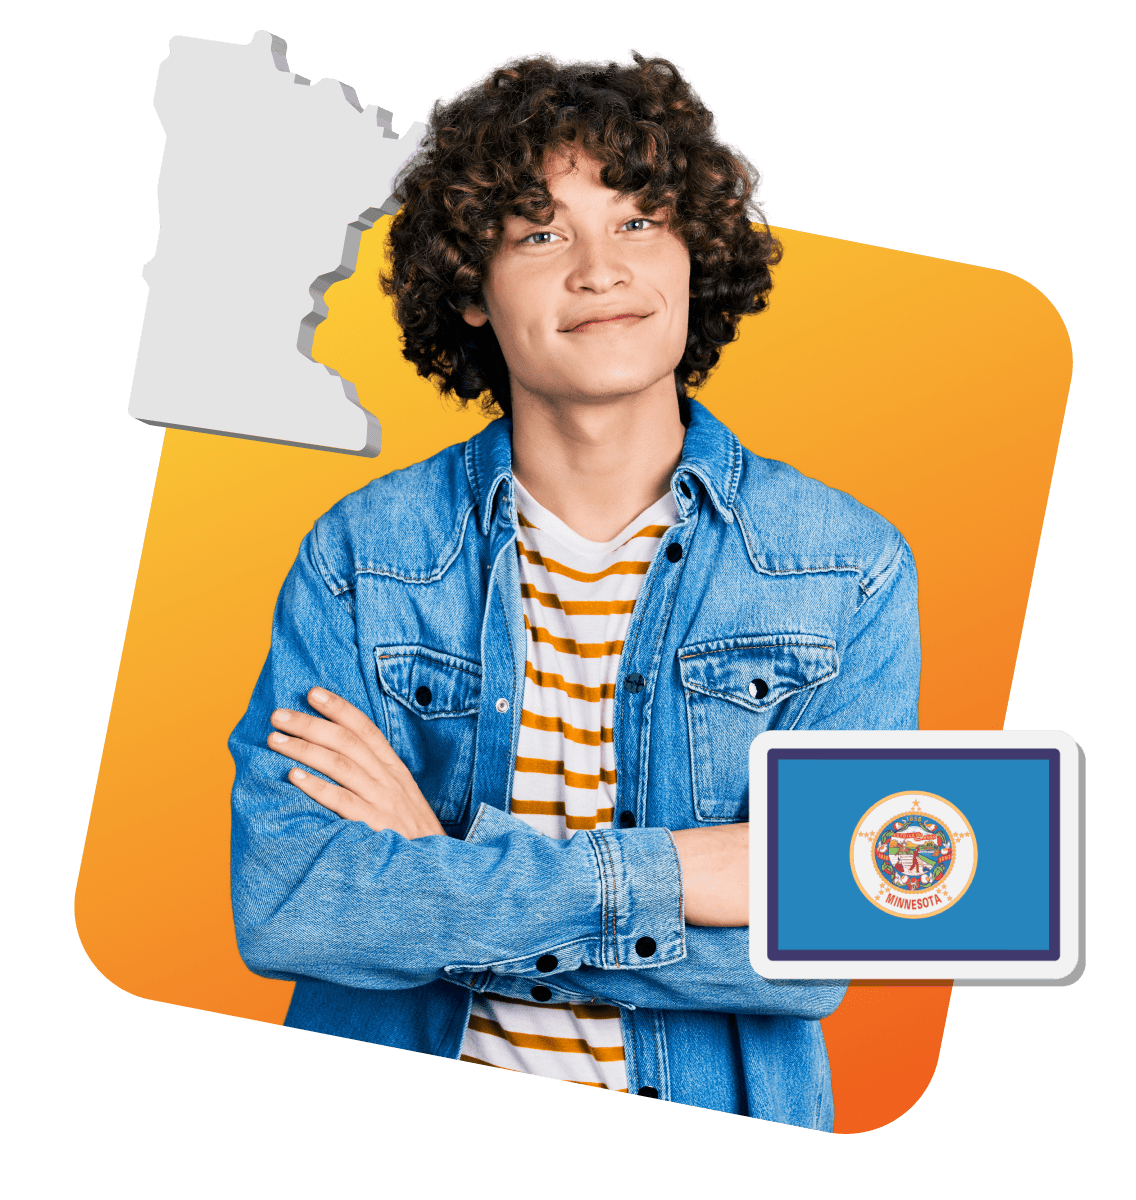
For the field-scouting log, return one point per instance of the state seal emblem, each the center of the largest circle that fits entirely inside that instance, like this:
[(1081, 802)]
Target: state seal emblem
[(913, 854)]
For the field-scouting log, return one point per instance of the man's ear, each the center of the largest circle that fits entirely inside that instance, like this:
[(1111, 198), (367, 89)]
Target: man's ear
[(475, 316)]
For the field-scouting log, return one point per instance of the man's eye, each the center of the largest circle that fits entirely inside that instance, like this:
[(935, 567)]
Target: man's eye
[(638, 223), (541, 238)]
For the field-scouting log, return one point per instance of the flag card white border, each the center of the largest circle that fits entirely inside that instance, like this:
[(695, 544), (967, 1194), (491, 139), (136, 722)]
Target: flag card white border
[(1064, 970)]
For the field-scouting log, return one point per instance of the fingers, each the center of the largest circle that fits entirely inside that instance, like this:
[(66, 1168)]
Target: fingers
[(336, 765), (328, 734), (350, 807), (375, 786), (339, 800), (347, 716)]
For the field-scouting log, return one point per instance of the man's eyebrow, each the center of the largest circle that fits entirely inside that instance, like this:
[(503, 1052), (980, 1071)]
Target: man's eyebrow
[(562, 207), (555, 208)]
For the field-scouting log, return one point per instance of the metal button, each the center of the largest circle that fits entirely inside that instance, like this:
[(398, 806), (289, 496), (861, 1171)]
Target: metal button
[(634, 682), (502, 705), (645, 947), (547, 962), (423, 695), (540, 992), (627, 819), (650, 1092), (674, 552), (758, 688)]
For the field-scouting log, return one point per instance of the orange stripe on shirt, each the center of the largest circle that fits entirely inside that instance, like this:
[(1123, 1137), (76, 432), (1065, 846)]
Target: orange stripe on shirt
[(577, 779), (558, 568), (539, 1041), (580, 691), (583, 608), (555, 808), (570, 645), (585, 737)]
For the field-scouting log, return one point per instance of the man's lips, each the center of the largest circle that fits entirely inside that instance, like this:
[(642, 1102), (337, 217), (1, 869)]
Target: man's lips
[(592, 322)]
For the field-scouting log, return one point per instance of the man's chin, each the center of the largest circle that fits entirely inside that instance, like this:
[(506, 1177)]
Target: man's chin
[(608, 387)]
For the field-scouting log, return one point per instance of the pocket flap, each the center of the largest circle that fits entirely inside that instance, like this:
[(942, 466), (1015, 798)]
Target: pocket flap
[(427, 682), (760, 671)]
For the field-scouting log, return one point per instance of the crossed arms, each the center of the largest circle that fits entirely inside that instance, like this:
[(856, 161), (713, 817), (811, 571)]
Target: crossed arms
[(350, 879), (368, 782)]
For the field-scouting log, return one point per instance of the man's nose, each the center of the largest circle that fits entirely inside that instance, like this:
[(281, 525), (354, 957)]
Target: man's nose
[(599, 265)]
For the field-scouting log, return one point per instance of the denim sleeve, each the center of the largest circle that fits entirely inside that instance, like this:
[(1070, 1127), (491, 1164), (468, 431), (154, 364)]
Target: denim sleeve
[(319, 896), (877, 687)]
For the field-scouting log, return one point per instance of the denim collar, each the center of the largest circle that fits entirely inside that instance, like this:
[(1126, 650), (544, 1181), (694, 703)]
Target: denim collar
[(489, 467), (711, 454)]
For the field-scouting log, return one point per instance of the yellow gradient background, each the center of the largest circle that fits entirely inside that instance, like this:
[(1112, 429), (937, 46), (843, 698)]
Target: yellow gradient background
[(932, 391)]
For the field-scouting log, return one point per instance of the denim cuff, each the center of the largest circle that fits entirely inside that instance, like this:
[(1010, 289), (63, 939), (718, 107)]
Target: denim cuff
[(611, 899), (642, 897)]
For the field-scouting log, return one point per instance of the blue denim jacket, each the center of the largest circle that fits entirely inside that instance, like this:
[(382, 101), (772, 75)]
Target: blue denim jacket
[(413, 581)]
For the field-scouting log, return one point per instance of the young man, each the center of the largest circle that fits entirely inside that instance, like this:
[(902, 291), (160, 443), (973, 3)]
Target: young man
[(491, 793)]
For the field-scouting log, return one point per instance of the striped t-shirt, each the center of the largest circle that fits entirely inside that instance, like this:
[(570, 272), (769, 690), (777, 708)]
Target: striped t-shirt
[(577, 596)]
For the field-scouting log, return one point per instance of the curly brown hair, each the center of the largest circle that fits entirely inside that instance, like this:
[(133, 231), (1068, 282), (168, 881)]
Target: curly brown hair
[(482, 160)]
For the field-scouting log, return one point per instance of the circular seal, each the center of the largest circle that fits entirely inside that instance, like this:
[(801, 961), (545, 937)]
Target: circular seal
[(913, 854)]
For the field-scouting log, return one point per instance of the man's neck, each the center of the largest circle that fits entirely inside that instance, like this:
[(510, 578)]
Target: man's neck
[(597, 464)]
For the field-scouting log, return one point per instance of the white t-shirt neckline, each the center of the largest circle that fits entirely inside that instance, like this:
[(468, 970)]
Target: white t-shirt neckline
[(663, 512)]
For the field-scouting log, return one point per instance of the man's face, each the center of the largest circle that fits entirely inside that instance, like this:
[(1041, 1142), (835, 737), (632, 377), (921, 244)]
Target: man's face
[(592, 305)]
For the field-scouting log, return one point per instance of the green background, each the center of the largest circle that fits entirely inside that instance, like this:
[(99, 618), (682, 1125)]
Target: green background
[(989, 133)]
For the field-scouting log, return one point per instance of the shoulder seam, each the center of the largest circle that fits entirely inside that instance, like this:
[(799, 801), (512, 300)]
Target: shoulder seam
[(334, 585), (873, 583)]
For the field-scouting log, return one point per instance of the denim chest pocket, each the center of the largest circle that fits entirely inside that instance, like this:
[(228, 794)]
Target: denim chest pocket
[(430, 704), (736, 688)]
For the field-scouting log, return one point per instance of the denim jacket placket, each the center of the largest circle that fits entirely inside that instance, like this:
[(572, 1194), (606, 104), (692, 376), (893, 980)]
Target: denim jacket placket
[(643, 1030)]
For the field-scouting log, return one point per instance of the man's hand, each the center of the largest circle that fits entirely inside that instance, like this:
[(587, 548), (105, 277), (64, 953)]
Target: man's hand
[(715, 874), (375, 786)]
